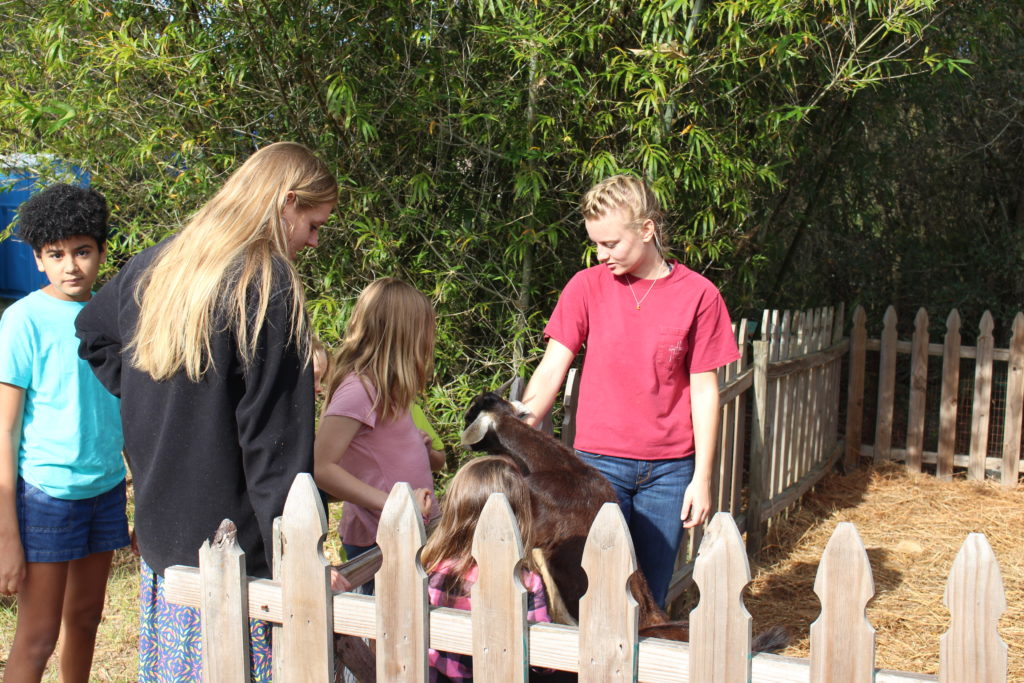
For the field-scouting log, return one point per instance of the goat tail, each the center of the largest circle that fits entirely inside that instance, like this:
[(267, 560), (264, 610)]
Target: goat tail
[(771, 640)]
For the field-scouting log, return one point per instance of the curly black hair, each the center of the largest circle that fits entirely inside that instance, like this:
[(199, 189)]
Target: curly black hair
[(62, 211)]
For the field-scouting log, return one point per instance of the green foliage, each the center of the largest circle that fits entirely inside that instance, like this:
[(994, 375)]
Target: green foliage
[(463, 133)]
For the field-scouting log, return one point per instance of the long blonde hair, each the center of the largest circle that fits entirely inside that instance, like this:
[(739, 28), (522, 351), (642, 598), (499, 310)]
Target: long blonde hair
[(389, 344), (472, 485), (219, 268)]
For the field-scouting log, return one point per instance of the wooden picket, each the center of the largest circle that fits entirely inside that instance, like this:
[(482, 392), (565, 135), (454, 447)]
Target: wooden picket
[(608, 612), (971, 650), (842, 640), (976, 460), (225, 607), (855, 389), (720, 626), (604, 646), (499, 623), (886, 387), (950, 396), (402, 632), (918, 391)]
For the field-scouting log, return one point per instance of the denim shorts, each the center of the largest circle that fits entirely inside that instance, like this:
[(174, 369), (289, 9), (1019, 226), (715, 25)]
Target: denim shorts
[(57, 530)]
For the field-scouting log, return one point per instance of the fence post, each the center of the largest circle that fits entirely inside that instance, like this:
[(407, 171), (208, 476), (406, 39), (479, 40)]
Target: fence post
[(980, 407), (402, 627), (498, 599), (1014, 405), (918, 391), (720, 626), (308, 610), (760, 455), (609, 614), (738, 426), (569, 401), (842, 640), (224, 608), (971, 650), (950, 397), (886, 387), (778, 336), (855, 388)]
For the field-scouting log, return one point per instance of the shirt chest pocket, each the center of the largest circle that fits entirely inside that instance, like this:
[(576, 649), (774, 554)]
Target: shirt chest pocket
[(673, 347)]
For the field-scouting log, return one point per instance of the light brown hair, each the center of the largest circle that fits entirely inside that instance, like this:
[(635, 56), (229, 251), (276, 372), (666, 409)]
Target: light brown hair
[(219, 268), (389, 344), (468, 492)]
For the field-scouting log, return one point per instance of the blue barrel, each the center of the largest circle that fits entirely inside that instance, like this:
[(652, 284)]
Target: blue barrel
[(18, 272)]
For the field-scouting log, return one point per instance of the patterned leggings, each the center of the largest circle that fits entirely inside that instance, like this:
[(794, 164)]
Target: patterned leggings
[(171, 643)]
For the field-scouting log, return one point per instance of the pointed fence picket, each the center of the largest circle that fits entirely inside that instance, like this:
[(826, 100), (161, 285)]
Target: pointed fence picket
[(604, 647), (979, 389), (499, 619), (842, 640)]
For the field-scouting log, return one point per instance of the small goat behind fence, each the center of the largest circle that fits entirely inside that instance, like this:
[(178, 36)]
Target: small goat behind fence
[(604, 647)]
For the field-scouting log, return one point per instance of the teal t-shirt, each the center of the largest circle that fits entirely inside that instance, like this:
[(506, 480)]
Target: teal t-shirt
[(71, 425)]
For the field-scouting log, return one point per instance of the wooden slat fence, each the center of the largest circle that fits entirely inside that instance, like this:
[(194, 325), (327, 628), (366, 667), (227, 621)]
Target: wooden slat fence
[(794, 435), (605, 646), (979, 459)]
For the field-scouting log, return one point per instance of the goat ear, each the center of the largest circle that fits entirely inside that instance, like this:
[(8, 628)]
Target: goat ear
[(475, 432)]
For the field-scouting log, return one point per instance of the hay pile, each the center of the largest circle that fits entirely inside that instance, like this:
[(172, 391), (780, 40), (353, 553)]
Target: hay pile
[(912, 527)]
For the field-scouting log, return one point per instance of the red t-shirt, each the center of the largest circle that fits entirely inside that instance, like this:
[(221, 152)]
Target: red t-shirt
[(634, 398)]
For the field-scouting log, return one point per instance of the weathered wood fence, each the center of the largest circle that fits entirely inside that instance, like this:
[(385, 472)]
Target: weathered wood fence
[(992, 446), (604, 647)]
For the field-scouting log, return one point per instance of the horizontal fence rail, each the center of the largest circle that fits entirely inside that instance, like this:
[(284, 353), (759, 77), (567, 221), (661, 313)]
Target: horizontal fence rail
[(604, 647)]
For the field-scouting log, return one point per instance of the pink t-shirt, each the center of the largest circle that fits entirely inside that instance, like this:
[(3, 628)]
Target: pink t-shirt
[(634, 399), (380, 454)]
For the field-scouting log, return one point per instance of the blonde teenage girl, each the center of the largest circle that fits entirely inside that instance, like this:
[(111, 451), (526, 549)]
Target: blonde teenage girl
[(654, 332), (447, 556), (367, 440), (205, 339)]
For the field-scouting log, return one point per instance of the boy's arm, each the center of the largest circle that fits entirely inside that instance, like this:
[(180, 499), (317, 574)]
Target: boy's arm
[(12, 557)]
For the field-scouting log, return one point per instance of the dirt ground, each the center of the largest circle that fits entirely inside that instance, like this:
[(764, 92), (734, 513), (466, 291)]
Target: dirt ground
[(912, 527)]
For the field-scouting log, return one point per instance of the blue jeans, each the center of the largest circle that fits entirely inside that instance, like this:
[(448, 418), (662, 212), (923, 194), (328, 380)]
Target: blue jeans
[(650, 494)]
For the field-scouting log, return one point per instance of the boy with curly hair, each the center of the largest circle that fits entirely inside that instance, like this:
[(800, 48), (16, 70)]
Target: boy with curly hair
[(62, 477)]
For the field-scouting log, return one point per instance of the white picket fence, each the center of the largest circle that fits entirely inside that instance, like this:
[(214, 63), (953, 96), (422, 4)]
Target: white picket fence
[(604, 647)]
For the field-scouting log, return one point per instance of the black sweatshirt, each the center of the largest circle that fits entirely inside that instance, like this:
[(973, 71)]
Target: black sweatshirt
[(226, 447)]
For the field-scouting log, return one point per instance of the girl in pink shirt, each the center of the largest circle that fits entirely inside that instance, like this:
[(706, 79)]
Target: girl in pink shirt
[(367, 441), (654, 333), (448, 555)]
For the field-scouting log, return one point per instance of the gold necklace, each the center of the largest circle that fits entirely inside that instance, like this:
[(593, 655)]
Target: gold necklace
[(641, 299)]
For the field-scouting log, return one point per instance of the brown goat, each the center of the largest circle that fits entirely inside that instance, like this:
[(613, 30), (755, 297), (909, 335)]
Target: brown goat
[(567, 494)]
